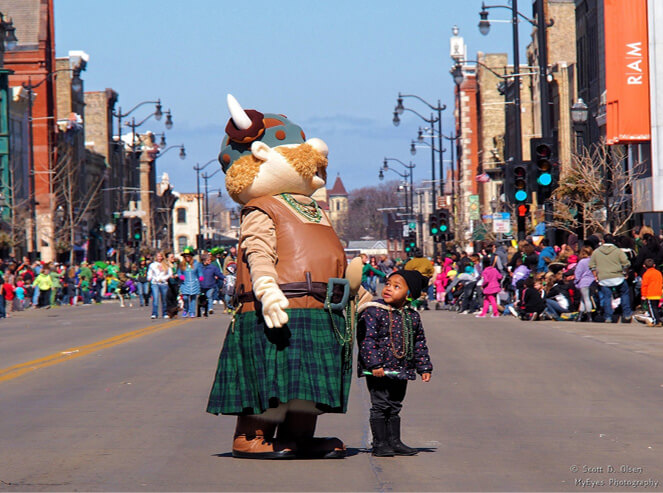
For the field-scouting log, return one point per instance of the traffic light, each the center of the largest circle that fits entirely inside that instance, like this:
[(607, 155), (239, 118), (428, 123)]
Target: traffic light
[(410, 242), (521, 192), (444, 222), (433, 224), (544, 167), (137, 230)]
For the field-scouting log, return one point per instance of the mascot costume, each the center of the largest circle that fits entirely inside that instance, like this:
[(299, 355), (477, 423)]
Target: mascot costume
[(287, 355)]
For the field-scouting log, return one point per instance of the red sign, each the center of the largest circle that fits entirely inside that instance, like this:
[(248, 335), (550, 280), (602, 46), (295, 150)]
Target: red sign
[(627, 71)]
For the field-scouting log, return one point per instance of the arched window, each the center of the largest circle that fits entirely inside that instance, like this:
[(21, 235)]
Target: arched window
[(181, 215)]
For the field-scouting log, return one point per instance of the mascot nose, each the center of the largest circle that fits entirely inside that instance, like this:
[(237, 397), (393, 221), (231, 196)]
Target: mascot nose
[(319, 145)]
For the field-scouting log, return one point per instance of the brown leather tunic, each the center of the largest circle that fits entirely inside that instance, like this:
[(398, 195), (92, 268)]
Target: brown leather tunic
[(302, 247)]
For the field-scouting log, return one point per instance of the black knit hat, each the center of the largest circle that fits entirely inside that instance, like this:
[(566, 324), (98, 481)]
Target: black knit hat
[(414, 279)]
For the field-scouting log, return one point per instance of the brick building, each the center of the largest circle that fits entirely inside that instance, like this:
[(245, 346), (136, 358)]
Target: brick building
[(32, 61)]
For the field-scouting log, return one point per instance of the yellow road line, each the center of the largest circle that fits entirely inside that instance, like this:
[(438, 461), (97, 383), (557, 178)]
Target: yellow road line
[(75, 352)]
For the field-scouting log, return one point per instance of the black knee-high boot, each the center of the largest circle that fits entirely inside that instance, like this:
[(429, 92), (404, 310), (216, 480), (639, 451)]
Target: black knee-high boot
[(381, 447), (394, 433)]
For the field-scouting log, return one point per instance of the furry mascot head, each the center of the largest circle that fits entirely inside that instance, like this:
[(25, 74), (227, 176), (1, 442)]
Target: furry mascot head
[(267, 154)]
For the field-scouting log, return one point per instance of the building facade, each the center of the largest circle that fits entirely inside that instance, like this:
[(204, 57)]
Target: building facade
[(33, 64)]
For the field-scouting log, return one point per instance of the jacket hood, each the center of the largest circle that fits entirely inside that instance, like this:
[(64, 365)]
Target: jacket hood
[(607, 248)]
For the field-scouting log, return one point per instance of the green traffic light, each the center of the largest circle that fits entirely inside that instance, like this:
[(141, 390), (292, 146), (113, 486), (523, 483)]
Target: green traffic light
[(137, 236), (443, 228), (434, 230), (544, 179), (407, 248), (521, 196)]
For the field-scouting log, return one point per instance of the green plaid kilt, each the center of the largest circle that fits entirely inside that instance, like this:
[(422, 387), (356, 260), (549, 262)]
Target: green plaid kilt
[(261, 367)]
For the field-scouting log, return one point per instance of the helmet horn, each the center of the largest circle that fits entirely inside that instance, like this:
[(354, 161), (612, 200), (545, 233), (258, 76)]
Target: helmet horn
[(238, 115)]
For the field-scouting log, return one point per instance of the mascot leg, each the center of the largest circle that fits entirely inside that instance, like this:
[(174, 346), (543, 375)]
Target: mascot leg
[(299, 427), (254, 439)]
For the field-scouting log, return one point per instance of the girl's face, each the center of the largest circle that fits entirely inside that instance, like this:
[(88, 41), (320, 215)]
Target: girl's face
[(395, 291), (159, 257), (538, 285)]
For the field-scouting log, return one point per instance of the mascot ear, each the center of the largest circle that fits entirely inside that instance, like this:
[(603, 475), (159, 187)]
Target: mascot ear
[(260, 150)]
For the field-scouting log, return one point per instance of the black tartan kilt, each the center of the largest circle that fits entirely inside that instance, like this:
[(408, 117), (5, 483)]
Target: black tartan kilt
[(260, 367)]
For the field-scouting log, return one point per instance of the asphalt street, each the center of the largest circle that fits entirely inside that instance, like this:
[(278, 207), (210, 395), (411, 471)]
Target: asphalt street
[(101, 398)]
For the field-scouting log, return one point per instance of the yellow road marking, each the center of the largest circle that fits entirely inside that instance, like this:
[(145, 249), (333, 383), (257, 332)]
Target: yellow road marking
[(75, 352)]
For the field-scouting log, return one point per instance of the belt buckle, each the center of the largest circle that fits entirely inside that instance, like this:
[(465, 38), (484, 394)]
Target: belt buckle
[(336, 281)]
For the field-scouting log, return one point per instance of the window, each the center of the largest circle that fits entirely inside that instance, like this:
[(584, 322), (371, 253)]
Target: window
[(181, 242), (181, 215)]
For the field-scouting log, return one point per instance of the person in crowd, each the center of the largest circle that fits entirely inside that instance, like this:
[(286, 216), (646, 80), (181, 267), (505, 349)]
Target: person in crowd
[(8, 292), (142, 284), (425, 267), (19, 301), (608, 263), (491, 286), (392, 349), (45, 284), (158, 274), (190, 272), (650, 248), (652, 290), (546, 256), (584, 278), (231, 257), (211, 277), (558, 298), (370, 269), (3, 308), (532, 300), (229, 287)]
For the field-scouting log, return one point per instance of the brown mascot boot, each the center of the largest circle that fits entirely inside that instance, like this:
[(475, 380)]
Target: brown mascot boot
[(300, 427), (253, 440)]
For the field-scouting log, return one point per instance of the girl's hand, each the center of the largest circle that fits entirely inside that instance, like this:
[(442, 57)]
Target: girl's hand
[(378, 372), (425, 377)]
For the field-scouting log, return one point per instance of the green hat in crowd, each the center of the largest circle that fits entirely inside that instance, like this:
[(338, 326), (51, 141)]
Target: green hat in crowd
[(188, 251)]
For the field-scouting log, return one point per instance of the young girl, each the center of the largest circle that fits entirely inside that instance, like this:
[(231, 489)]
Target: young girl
[(491, 286), (392, 347)]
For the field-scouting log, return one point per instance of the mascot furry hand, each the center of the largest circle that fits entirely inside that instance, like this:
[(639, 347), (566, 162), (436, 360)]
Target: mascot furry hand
[(287, 355)]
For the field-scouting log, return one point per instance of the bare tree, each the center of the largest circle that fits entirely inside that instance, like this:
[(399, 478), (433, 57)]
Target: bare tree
[(595, 192), (364, 218), (74, 194)]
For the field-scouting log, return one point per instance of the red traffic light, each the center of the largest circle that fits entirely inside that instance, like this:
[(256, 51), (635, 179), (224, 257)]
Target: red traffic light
[(523, 210)]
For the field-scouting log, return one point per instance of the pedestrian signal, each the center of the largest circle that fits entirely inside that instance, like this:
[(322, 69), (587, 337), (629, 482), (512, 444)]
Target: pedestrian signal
[(523, 210)]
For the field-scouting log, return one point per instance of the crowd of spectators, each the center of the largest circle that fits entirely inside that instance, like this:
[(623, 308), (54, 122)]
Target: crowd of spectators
[(191, 284), (605, 278)]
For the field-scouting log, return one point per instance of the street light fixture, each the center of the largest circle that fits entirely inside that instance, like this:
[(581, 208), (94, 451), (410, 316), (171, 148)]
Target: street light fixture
[(579, 112), (169, 120), (396, 121), (484, 23)]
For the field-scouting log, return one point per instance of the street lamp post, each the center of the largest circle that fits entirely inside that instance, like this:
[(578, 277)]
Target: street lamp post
[(405, 176), (158, 114), (439, 109), (410, 167), (399, 109), (198, 169), (207, 177)]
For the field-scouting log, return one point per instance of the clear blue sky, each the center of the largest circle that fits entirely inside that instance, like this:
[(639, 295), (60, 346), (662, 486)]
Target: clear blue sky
[(333, 67)]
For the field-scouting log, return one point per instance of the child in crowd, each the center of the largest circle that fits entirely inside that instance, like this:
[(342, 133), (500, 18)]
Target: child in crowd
[(392, 347), (19, 301), (533, 299), (491, 286), (651, 291), (9, 293)]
